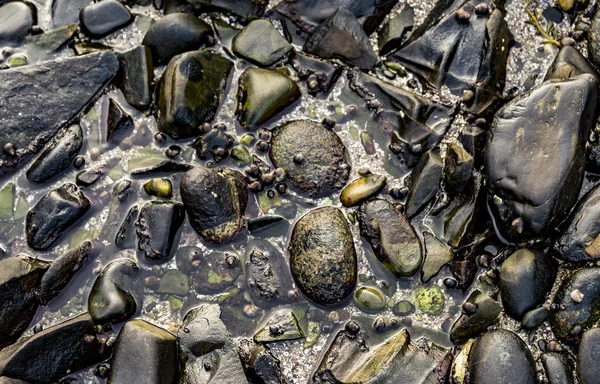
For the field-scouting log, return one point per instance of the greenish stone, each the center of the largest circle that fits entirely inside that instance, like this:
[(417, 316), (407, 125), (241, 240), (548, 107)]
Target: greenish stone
[(7, 201), (263, 94), (314, 330), (40, 47), (362, 189), (87, 47), (282, 326), (247, 139), (261, 43), (369, 299), (17, 60), (396, 68), (159, 188), (429, 299), (174, 282), (22, 207), (437, 255), (403, 308), (175, 303), (241, 154)]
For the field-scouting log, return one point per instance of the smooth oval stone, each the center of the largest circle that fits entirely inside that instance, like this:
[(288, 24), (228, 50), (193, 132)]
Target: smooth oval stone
[(159, 188), (535, 318), (261, 43), (322, 256), (500, 356), (429, 299), (583, 313), (471, 325), (174, 34), (263, 94), (16, 20), (215, 200), (391, 236), (65, 12), (580, 241), (103, 18), (370, 299), (58, 210), (157, 227), (535, 155), (112, 298), (57, 156), (362, 189), (20, 278), (314, 157), (588, 355), (526, 277), (190, 92), (144, 353), (558, 367)]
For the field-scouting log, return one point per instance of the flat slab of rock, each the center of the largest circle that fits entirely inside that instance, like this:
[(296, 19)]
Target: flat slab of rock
[(38, 100)]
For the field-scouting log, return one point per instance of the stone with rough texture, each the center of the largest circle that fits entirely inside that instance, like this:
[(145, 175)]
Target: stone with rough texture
[(471, 325), (38, 100), (157, 227)]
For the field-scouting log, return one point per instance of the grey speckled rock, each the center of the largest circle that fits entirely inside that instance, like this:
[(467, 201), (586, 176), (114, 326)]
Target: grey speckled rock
[(53, 93), (322, 256), (16, 20), (261, 43)]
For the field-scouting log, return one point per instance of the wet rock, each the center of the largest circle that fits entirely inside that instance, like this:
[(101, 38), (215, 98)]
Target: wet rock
[(174, 34), (458, 167), (244, 8), (144, 353), (362, 189), (157, 227), (515, 366), (580, 241), (263, 223), (103, 18), (320, 76), (558, 367), (429, 299), (393, 33), (396, 360), (159, 188), (44, 46), (322, 256), (437, 255), (259, 363), (309, 14), (261, 43), (20, 278), (570, 63), (16, 20), (90, 176), (525, 279), (112, 298), (471, 55), (269, 279), (529, 194), (52, 353), (190, 92), (582, 312), (166, 166), (125, 238), (391, 236), (57, 156), (264, 93), (370, 299), (174, 283), (341, 37), (117, 119), (535, 318), (215, 143), (56, 90), (215, 200), (64, 268), (587, 355), (282, 326), (471, 325), (424, 183), (58, 210), (205, 342), (135, 75), (65, 12), (314, 157), (209, 273)]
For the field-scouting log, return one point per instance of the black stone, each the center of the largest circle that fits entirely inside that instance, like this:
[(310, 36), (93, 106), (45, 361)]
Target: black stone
[(209, 273), (157, 226), (261, 43), (570, 63), (393, 33), (322, 256), (117, 119), (57, 156), (16, 20), (20, 278), (112, 298), (144, 353), (471, 325), (268, 278), (325, 167), (166, 166), (174, 34), (308, 68), (65, 12), (587, 355), (125, 237), (259, 363), (525, 279), (135, 75), (535, 155), (54, 93), (54, 214), (424, 183), (535, 318), (54, 352), (248, 9), (458, 167), (103, 18), (90, 176), (341, 36), (558, 367), (209, 145), (215, 200)]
